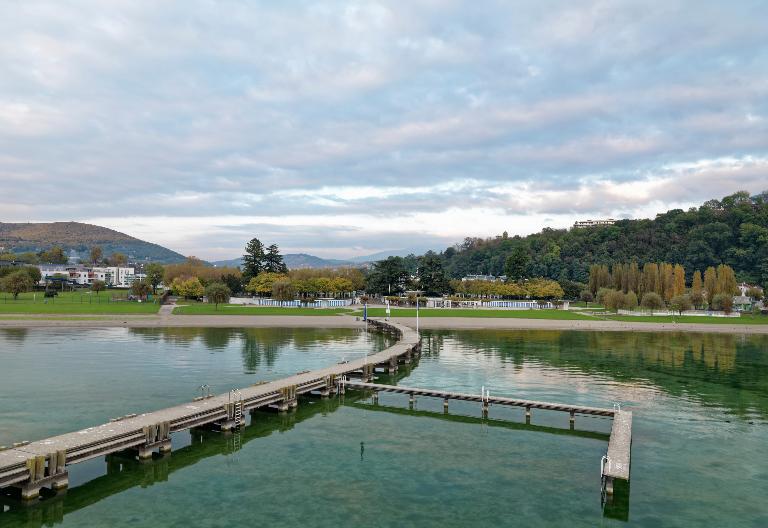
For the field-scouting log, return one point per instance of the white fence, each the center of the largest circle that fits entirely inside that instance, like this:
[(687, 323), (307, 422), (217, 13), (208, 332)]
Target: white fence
[(434, 302), (697, 313), (319, 303)]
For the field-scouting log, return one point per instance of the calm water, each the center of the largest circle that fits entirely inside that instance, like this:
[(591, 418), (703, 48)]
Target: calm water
[(700, 430)]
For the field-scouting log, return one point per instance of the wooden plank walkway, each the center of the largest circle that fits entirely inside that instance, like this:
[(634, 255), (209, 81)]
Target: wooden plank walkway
[(615, 465), (42, 463)]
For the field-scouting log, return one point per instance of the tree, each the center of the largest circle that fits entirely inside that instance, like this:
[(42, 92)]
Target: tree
[(118, 260), (681, 303), (98, 286), (253, 259), (141, 289), (726, 280), (723, 301), (755, 293), (273, 260), (154, 274), (96, 255), (679, 280), (55, 255), (432, 279), (217, 293), (283, 291), (613, 300), (263, 282), (188, 288), (516, 264), (587, 297), (388, 276), (710, 284), (697, 295), (652, 301), (630, 300), (16, 283)]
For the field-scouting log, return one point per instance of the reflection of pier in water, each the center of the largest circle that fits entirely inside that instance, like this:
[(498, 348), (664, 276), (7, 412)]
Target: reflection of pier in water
[(124, 472)]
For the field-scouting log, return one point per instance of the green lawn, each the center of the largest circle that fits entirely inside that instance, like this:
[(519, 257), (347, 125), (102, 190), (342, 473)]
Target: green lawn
[(238, 309), (469, 312), (745, 319), (74, 303)]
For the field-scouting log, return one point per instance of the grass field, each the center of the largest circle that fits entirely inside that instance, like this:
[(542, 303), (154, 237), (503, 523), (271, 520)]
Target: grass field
[(74, 303), (238, 309), (468, 312), (745, 319)]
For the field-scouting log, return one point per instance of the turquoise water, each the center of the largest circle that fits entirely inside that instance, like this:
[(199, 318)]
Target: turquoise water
[(700, 431)]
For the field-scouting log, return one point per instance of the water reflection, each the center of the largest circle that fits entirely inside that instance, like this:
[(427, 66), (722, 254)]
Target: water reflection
[(260, 346), (715, 369)]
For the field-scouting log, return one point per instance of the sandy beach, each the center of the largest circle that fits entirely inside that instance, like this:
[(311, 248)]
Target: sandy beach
[(345, 321)]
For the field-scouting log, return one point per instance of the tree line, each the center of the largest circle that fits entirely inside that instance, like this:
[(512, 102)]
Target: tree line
[(660, 285), (732, 231)]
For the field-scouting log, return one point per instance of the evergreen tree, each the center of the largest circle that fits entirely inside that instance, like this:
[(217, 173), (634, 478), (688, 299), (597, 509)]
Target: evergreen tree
[(273, 260), (516, 264), (432, 279), (253, 260)]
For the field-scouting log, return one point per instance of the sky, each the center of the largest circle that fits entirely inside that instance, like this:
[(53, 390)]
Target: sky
[(343, 128)]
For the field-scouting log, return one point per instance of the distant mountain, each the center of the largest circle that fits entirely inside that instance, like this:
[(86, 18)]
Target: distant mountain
[(295, 261), (79, 237), (381, 255)]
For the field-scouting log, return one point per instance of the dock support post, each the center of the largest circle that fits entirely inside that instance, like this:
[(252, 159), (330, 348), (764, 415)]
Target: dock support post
[(445, 405), (527, 415), (572, 420), (411, 401), (376, 397), (485, 409)]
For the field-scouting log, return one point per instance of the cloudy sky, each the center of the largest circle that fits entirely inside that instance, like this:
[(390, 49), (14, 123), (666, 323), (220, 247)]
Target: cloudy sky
[(341, 128)]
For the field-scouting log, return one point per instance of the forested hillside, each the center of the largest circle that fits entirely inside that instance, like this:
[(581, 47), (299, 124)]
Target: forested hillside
[(732, 231), (20, 238)]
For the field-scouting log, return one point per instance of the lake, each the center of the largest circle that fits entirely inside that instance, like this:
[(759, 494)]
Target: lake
[(700, 404)]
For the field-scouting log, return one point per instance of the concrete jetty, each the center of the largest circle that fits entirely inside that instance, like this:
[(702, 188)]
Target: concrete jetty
[(43, 464)]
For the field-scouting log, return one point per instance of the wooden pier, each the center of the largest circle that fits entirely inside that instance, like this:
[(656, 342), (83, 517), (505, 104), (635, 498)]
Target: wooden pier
[(614, 465), (43, 464)]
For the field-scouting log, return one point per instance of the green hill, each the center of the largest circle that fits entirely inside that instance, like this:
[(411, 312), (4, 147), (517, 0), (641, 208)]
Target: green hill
[(731, 231), (79, 237)]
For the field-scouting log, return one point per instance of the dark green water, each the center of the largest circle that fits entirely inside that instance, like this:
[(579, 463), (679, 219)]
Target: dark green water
[(698, 456)]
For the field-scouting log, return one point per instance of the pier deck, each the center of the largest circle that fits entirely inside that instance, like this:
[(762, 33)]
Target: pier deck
[(42, 463), (615, 464)]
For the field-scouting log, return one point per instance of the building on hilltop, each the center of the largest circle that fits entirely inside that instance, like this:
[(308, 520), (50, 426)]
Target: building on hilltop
[(594, 223), (487, 278)]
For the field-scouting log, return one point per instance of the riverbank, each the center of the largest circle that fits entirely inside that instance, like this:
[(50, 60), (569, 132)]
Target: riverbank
[(347, 321)]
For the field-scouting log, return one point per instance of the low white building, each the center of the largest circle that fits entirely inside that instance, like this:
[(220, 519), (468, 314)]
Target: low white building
[(594, 223), (115, 277)]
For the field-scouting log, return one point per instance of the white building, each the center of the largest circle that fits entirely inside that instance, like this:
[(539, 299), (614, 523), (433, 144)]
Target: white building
[(115, 277), (594, 223)]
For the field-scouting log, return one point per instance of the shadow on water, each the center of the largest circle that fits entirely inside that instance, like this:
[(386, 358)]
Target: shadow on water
[(724, 370)]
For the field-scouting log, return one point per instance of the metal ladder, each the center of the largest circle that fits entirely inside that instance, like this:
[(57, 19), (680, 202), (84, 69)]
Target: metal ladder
[(237, 396)]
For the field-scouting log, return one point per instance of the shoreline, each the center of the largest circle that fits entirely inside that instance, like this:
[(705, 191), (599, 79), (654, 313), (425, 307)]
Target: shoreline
[(347, 321)]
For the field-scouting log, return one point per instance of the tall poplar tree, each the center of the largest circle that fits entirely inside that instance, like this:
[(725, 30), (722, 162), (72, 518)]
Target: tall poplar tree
[(710, 284)]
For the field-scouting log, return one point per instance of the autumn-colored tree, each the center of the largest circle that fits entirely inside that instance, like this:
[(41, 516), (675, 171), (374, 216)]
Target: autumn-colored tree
[(710, 284), (681, 303), (697, 287), (141, 288), (98, 286), (667, 280), (679, 281), (283, 291), (96, 255), (726, 280), (262, 283), (16, 283), (189, 288), (630, 300)]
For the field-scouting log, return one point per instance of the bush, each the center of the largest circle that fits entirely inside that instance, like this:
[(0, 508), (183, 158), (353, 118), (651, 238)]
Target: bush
[(652, 301), (681, 303), (601, 293), (630, 300), (613, 300), (723, 301)]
